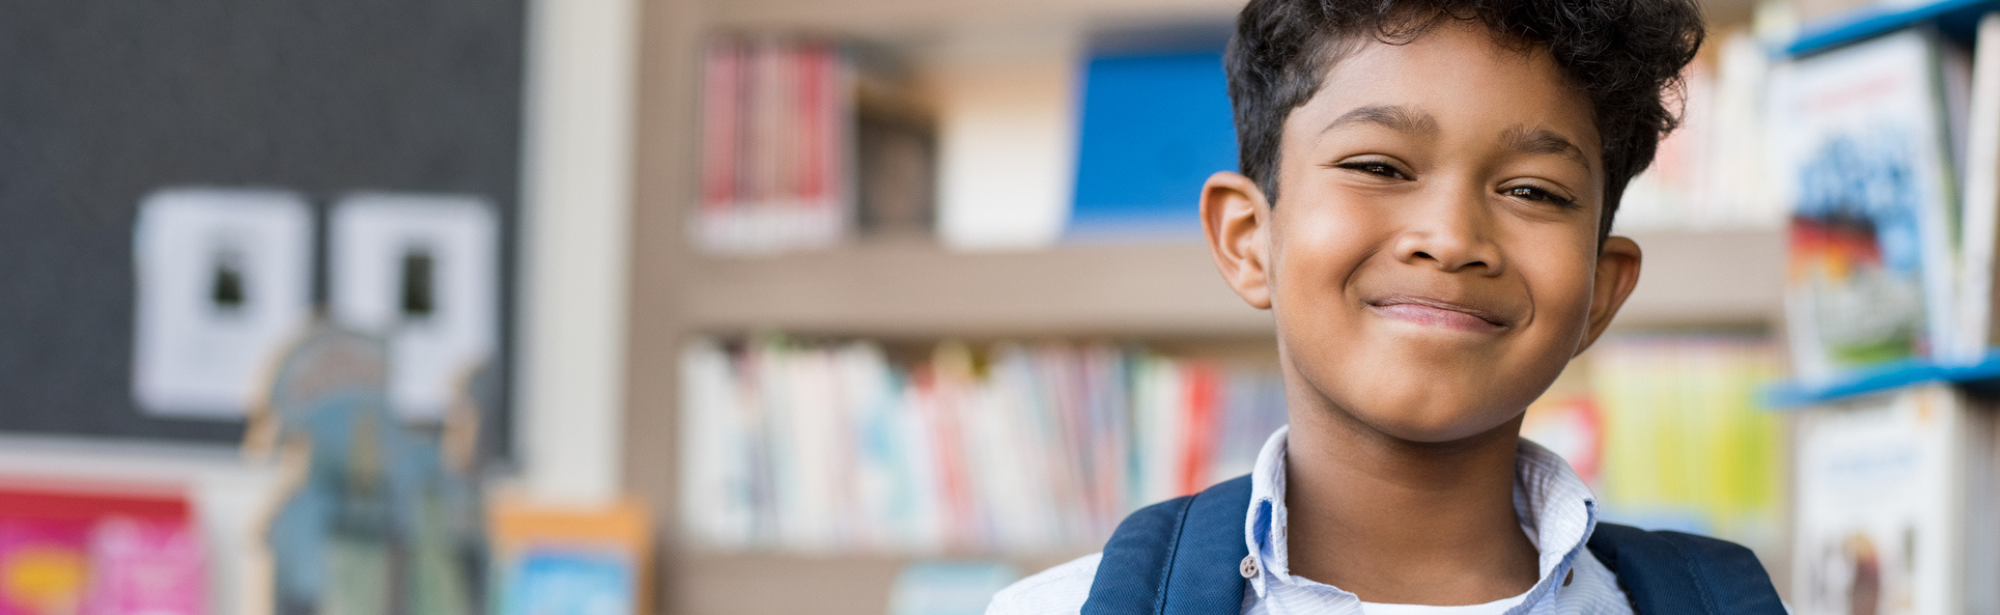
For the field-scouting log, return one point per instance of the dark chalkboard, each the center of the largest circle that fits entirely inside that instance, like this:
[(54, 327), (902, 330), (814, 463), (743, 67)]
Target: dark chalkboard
[(103, 102)]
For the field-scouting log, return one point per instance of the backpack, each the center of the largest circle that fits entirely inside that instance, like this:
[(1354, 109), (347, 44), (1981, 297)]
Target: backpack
[(1181, 557)]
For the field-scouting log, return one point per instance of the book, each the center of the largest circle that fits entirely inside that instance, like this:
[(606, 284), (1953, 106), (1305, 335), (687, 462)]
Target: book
[(145, 566), (1894, 505), (569, 582), (1859, 146), (1018, 448), (1673, 433), (1006, 131), (1981, 212), (1153, 127), (776, 137), (99, 550), (1737, 188), (948, 588), (570, 559), (895, 147), (1710, 172)]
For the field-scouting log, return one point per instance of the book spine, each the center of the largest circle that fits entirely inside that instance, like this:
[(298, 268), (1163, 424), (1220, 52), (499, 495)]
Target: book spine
[(1981, 208), (821, 449)]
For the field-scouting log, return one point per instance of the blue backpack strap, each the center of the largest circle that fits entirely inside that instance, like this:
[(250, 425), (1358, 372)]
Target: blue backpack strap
[(1180, 556), (1671, 573)]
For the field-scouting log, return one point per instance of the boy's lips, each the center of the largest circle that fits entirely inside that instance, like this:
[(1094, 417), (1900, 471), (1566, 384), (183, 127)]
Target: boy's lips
[(1438, 313)]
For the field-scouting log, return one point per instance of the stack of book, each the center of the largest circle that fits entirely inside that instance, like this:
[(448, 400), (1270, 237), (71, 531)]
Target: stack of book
[(1885, 134), (777, 123), (1886, 151), (1023, 448), (1709, 173), (1688, 442)]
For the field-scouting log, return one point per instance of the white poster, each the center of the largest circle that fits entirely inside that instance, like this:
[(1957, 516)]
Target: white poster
[(224, 280), (422, 270)]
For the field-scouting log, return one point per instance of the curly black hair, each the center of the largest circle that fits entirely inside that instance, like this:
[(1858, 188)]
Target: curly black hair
[(1627, 55)]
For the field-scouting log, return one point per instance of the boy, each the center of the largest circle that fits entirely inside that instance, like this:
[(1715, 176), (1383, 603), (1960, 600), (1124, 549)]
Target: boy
[(1425, 206)]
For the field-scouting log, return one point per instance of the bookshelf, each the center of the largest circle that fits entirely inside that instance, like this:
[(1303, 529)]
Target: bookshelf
[(913, 289), (752, 584), (930, 17), (1868, 21)]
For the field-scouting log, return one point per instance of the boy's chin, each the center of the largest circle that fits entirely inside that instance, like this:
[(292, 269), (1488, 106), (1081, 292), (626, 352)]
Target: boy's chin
[(1442, 427)]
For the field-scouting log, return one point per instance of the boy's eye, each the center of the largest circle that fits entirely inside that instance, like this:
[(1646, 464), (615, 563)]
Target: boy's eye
[(1373, 167), (1537, 194)]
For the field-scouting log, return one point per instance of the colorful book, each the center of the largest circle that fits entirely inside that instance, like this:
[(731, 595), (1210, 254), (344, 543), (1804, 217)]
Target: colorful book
[(145, 567), (1858, 137), (1019, 448), (777, 126), (565, 560), (104, 550), (546, 581), (1684, 440)]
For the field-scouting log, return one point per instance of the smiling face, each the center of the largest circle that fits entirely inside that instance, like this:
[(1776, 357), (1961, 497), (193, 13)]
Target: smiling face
[(1433, 262)]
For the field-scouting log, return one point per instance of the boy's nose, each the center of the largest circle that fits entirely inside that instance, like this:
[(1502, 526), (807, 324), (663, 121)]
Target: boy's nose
[(1452, 235)]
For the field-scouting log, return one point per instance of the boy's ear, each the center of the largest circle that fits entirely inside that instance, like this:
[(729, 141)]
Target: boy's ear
[(1235, 217), (1617, 275)]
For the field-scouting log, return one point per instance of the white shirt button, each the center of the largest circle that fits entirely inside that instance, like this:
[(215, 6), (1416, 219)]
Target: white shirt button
[(1249, 567)]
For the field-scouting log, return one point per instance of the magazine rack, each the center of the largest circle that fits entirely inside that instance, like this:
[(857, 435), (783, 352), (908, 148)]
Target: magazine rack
[(1981, 376), (1893, 464), (1955, 18)]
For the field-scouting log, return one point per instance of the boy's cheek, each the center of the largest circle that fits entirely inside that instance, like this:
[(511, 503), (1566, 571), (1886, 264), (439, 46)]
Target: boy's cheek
[(1561, 283)]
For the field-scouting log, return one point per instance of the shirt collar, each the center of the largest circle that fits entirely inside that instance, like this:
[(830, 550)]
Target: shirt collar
[(1556, 509)]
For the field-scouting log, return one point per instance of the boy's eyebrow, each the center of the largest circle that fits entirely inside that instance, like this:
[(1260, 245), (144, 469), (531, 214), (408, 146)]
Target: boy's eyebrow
[(1394, 117), (1543, 141)]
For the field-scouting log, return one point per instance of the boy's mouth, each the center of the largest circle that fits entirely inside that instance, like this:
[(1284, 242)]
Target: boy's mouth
[(1438, 313)]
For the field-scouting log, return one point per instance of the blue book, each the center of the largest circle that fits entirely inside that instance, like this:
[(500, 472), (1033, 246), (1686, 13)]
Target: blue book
[(569, 582), (1153, 128)]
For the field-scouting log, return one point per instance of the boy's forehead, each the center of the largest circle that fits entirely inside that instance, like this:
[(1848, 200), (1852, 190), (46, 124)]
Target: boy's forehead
[(1451, 78)]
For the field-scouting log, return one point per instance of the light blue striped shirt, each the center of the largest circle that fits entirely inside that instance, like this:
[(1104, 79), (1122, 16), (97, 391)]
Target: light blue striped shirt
[(1556, 510)]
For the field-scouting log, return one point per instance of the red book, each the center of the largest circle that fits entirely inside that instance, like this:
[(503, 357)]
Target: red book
[(811, 185), (721, 122), (1203, 388)]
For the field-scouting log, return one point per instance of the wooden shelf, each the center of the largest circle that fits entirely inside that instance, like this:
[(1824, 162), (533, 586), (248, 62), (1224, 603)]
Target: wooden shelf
[(931, 17), (756, 584), (878, 17), (918, 289), (1706, 278)]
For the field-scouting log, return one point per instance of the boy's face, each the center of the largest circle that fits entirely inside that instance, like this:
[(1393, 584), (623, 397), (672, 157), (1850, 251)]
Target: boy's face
[(1434, 262)]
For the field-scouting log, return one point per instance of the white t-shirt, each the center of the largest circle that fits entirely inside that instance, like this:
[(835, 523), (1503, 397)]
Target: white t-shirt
[(1496, 607), (1556, 510)]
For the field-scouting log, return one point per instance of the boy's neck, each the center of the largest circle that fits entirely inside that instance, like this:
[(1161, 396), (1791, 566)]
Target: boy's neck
[(1399, 522)]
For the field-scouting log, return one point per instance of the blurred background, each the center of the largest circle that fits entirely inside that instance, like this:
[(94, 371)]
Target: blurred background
[(866, 306)]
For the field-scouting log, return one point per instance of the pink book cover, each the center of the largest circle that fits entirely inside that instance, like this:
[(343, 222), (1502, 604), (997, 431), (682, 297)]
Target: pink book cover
[(43, 565), (145, 567), (56, 555)]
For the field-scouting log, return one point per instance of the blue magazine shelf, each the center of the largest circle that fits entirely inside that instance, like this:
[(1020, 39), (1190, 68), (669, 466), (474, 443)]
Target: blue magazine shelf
[(1955, 18), (1984, 374)]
